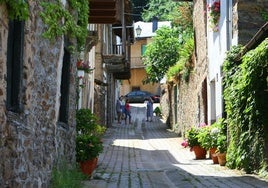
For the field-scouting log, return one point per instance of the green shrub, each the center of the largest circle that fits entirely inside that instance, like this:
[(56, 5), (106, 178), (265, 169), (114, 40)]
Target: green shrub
[(157, 111), (192, 137), (86, 123), (88, 147), (88, 141), (204, 137)]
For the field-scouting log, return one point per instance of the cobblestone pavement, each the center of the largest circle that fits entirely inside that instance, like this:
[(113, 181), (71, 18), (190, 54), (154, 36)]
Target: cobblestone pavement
[(147, 155)]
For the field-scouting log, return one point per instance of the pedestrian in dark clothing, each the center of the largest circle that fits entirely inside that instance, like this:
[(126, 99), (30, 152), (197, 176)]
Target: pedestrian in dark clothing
[(119, 110)]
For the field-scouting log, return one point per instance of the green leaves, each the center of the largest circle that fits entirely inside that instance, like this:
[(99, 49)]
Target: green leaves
[(89, 133), (161, 53), (17, 9), (159, 8), (246, 102), (61, 21), (184, 64)]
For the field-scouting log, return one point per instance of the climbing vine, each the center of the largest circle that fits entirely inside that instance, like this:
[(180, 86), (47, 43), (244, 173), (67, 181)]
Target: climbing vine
[(246, 99), (71, 21), (62, 21), (17, 9), (184, 65)]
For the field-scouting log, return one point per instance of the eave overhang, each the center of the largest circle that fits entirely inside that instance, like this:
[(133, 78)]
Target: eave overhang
[(104, 11)]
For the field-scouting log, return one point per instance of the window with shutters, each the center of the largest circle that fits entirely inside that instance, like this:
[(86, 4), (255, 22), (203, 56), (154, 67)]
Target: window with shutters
[(143, 48)]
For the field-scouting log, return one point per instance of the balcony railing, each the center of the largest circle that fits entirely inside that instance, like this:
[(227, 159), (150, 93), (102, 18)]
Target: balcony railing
[(117, 49), (117, 63)]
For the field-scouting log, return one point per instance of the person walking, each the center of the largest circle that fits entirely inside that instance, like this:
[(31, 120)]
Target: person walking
[(119, 109), (127, 112), (150, 110)]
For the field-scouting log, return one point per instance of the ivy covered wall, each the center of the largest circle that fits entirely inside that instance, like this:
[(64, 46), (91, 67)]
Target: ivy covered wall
[(246, 98)]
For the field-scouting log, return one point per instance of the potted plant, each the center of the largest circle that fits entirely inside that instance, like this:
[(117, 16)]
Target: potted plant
[(214, 132), (214, 13), (157, 111), (221, 149), (220, 140), (88, 149), (194, 144), (84, 66), (88, 140), (204, 137)]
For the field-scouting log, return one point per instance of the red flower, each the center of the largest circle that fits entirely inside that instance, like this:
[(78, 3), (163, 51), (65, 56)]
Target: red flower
[(184, 143), (214, 13), (81, 65)]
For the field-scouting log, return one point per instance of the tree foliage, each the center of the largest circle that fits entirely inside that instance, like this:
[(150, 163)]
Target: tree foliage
[(159, 8), (182, 16), (166, 49), (138, 6), (161, 54)]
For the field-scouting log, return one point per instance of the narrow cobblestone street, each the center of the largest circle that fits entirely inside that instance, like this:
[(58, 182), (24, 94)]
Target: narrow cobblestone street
[(146, 154)]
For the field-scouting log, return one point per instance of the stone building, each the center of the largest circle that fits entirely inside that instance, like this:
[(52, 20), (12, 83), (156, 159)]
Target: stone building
[(200, 100), (37, 101), (39, 90), (239, 22)]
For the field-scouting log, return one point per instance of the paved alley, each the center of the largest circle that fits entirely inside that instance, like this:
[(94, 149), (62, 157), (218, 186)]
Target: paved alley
[(147, 155)]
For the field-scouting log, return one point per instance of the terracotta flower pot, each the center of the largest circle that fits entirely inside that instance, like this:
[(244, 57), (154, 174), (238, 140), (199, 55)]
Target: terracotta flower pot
[(89, 166), (200, 153), (221, 158), (213, 155)]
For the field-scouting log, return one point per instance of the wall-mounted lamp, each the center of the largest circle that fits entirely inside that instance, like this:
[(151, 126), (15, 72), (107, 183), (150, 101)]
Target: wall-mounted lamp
[(138, 31)]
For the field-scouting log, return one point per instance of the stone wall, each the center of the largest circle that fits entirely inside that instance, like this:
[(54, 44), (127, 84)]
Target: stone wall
[(192, 104), (247, 18), (32, 141)]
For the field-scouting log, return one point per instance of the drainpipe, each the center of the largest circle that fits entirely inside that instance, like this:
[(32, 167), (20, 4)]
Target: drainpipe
[(123, 28), (228, 42)]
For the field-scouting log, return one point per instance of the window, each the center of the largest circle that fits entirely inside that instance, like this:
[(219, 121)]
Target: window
[(143, 48), (64, 89), (14, 64)]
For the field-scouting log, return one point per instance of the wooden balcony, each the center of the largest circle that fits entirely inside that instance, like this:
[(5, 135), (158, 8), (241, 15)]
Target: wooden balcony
[(117, 64), (108, 11), (115, 12), (104, 11)]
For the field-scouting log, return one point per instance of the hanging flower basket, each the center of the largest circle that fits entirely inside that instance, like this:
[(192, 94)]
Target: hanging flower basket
[(214, 13), (83, 66)]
